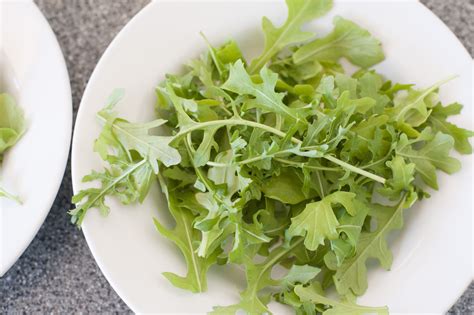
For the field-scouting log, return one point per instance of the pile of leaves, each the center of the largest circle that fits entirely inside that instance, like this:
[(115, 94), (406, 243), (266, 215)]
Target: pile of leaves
[(12, 127), (284, 162)]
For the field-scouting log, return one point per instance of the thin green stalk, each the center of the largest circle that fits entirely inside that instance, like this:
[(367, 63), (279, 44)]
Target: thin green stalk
[(232, 122), (6, 194), (311, 167), (243, 122), (422, 96), (112, 184), (238, 121), (250, 160), (354, 169)]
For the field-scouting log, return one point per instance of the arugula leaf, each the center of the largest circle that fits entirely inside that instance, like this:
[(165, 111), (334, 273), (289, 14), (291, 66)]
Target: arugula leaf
[(403, 176), (285, 188), (12, 127), (315, 295), (184, 236), (433, 155), (346, 83), (229, 175), (265, 96), (127, 181), (299, 13), (258, 277), (351, 276), (318, 222), (299, 275), (437, 121), (346, 40), (370, 85), (203, 153), (137, 137), (349, 229), (178, 174), (12, 123)]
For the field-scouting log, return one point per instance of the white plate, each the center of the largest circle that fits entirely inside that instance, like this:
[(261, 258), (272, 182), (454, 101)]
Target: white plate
[(432, 264), (32, 69)]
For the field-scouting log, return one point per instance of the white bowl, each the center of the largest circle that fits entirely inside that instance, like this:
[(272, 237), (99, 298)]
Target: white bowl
[(432, 264), (33, 70)]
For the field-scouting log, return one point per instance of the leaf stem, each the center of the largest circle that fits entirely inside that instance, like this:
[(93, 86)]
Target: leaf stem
[(243, 122), (232, 122), (236, 121), (354, 169), (4, 193), (104, 190), (423, 95)]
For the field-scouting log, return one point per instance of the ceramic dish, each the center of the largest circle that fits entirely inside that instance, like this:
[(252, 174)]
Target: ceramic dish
[(432, 255), (33, 71)]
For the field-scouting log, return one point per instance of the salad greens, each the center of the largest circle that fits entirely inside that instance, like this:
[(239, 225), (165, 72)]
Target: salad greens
[(12, 127), (283, 163)]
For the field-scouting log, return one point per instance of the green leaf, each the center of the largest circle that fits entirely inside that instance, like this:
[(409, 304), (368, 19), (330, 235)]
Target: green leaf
[(402, 177), (178, 103), (318, 222), (12, 127), (229, 53), (370, 85), (247, 239), (349, 230), (203, 153), (258, 277), (265, 96), (299, 13), (299, 275), (138, 137), (229, 174), (346, 83), (351, 276), (438, 122), (184, 237), (128, 181), (433, 155), (285, 187), (315, 295), (366, 128), (346, 40), (413, 107), (12, 123), (402, 173), (180, 175)]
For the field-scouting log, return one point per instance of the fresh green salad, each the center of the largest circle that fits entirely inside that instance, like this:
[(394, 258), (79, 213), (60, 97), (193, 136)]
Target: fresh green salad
[(282, 164), (12, 127)]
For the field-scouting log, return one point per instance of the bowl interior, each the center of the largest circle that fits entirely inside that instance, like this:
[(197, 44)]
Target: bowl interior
[(132, 255)]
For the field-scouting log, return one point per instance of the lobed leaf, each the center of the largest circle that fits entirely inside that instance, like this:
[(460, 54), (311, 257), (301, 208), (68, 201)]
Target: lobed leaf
[(346, 40), (299, 13)]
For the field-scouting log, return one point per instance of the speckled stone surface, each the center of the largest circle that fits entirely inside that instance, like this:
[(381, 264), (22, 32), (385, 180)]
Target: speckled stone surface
[(57, 273)]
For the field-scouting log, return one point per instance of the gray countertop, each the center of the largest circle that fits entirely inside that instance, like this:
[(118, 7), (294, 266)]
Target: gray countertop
[(57, 273)]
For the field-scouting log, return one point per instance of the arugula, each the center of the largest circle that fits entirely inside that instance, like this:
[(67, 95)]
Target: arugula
[(285, 164), (299, 13), (437, 121), (12, 127), (184, 236), (318, 222), (433, 155), (316, 296), (351, 276), (265, 96), (347, 40)]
